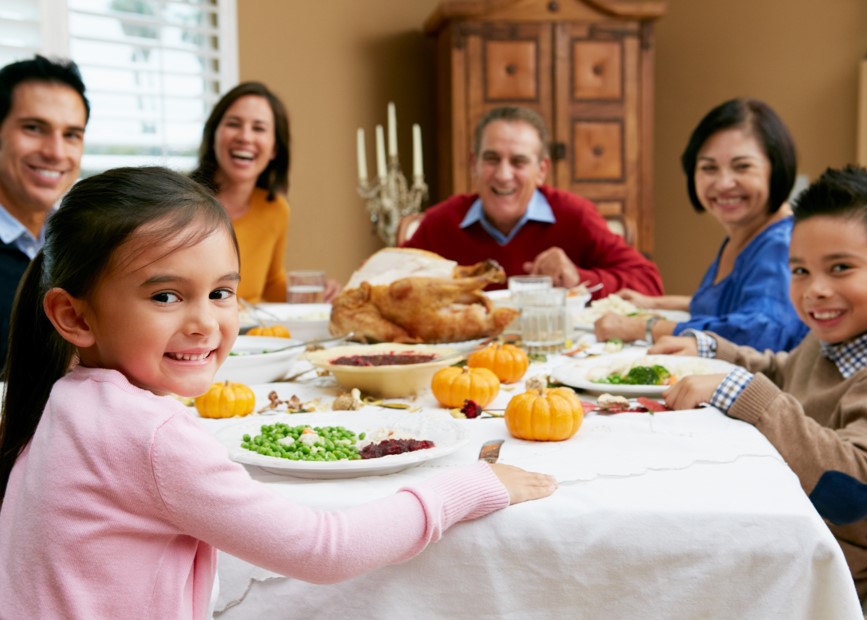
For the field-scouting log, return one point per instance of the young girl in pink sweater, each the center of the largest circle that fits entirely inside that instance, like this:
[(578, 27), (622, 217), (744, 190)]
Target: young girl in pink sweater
[(114, 498)]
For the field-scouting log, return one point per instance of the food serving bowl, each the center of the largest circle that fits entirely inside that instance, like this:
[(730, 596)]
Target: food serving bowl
[(387, 380), (304, 321), (259, 359)]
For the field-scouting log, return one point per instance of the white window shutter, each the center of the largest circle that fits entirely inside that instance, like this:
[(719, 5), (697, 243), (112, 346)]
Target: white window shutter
[(153, 69)]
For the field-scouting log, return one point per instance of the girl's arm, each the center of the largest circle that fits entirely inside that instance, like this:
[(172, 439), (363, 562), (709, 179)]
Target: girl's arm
[(209, 497)]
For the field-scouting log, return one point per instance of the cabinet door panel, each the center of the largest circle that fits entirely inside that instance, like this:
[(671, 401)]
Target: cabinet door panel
[(598, 148), (511, 70), (598, 92), (597, 70)]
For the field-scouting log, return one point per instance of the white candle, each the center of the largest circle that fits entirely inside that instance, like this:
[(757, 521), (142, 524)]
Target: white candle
[(392, 131), (416, 151), (380, 152), (362, 156)]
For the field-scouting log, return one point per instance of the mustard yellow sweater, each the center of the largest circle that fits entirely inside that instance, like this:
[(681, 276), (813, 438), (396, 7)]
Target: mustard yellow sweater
[(261, 233)]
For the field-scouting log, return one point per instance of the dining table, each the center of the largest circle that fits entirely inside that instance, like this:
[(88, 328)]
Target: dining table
[(668, 514)]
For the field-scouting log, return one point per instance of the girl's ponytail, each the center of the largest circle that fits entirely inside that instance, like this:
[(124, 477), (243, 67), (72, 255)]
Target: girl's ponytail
[(37, 358)]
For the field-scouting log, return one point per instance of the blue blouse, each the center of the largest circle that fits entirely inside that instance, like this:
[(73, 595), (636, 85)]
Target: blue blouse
[(751, 305)]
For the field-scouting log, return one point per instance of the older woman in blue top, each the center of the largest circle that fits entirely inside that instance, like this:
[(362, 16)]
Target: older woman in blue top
[(740, 165)]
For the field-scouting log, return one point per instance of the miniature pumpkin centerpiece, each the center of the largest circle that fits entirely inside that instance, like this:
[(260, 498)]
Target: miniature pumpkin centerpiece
[(274, 331), (545, 414), (226, 400), (452, 386), (506, 361)]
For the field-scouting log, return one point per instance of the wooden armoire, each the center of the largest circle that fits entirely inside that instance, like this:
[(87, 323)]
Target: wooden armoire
[(585, 65)]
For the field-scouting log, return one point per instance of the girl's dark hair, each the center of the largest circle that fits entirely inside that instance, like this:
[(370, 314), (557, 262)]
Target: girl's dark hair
[(275, 177), (837, 192), (761, 121), (154, 206)]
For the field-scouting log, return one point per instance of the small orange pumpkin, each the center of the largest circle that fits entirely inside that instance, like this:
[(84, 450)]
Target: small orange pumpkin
[(453, 385), (274, 331), (226, 400), (507, 361), (547, 414)]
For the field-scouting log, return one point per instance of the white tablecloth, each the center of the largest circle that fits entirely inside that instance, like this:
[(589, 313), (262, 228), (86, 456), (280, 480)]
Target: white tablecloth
[(672, 515)]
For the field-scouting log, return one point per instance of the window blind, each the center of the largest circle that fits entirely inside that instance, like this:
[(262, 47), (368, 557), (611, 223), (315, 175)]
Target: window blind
[(20, 30), (153, 69)]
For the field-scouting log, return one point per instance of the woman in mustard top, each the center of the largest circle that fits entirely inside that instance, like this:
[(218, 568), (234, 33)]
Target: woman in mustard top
[(244, 158)]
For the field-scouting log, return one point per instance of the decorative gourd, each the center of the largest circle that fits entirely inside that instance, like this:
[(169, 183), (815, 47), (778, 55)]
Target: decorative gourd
[(452, 386), (226, 400), (275, 331), (547, 414), (507, 361)]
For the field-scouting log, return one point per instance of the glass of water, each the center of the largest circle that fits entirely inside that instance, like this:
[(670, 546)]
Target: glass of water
[(544, 319), (517, 284), (305, 287)]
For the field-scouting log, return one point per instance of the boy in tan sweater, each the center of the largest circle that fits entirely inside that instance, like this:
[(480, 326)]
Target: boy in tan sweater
[(810, 403)]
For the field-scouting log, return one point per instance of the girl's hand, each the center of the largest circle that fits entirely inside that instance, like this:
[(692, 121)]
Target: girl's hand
[(524, 485), (611, 325), (692, 391), (674, 345)]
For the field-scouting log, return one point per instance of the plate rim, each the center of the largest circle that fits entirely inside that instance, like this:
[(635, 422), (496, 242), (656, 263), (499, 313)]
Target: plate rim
[(276, 307), (620, 389), (678, 316)]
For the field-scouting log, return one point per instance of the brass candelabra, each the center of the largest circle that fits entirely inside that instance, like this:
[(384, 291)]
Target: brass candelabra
[(390, 198)]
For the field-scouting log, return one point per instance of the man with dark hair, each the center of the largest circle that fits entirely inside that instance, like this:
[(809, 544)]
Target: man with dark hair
[(524, 225), (43, 113)]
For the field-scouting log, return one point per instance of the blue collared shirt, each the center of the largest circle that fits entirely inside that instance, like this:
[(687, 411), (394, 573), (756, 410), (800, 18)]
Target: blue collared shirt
[(14, 233), (539, 210)]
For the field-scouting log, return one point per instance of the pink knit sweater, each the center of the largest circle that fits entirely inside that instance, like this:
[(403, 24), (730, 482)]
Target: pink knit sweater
[(115, 508)]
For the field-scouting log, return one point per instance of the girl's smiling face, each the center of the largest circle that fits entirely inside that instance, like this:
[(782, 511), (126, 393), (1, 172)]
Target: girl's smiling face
[(165, 316), (828, 259)]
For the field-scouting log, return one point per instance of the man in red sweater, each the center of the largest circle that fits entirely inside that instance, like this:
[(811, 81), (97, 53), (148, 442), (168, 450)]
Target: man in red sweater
[(524, 225)]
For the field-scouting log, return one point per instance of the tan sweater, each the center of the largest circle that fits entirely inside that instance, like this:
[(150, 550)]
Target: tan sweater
[(815, 418)]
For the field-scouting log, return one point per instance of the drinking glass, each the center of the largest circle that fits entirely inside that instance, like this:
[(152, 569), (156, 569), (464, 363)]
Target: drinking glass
[(544, 319), (305, 287), (526, 283)]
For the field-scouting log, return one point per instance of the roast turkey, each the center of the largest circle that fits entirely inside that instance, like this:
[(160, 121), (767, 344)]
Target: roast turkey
[(413, 296)]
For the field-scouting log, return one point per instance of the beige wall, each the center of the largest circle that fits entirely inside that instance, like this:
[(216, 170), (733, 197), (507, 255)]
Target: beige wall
[(337, 63)]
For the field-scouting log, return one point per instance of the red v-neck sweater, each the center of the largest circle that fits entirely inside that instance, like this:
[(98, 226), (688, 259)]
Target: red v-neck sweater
[(599, 254)]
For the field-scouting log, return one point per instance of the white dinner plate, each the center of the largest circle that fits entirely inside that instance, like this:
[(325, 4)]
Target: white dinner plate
[(678, 316), (582, 374), (305, 321), (446, 434)]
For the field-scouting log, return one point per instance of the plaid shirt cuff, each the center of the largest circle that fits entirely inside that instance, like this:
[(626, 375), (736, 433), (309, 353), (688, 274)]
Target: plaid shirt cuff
[(730, 388), (706, 344)]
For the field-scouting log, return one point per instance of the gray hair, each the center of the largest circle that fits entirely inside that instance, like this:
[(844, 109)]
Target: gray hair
[(512, 113)]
